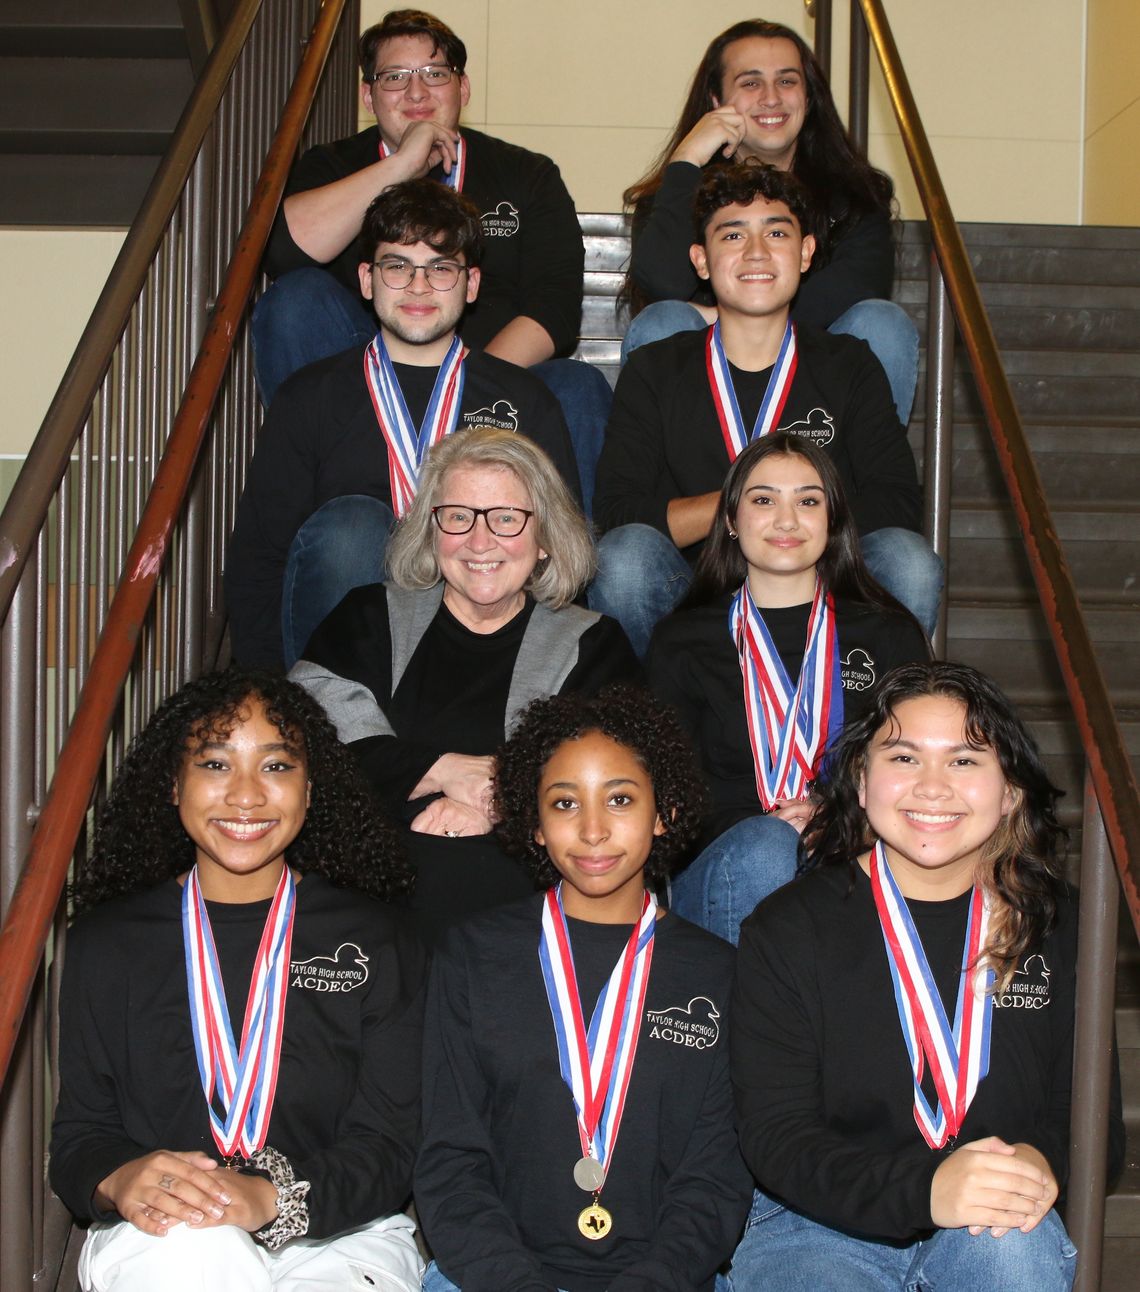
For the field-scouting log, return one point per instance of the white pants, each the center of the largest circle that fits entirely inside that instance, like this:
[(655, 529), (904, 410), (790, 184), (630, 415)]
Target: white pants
[(379, 1257)]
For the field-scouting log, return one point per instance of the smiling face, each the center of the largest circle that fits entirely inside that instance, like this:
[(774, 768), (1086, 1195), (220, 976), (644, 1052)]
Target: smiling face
[(597, 818), (782, 528), (242, 796), (484, 575), (763, 79), (396, 110), (753, 257), (419, 314), (932, 797)]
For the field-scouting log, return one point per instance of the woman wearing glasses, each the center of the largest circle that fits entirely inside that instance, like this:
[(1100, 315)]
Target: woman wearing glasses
[(425, 674)]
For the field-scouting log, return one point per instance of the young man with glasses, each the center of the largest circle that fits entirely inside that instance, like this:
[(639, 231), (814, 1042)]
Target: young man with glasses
[(338, 457), (529, 309)]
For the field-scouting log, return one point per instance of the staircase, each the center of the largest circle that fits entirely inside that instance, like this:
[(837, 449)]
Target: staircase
[(1065, 307), (90, 91)]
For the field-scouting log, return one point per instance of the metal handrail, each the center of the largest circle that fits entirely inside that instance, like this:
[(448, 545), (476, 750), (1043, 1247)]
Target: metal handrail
[(48, 457), (29, 917), (1101, 737)]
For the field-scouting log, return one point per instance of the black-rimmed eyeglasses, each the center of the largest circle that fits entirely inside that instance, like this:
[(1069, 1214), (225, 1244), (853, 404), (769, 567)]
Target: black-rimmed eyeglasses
[(397, 273), (503, 522), (397, 78)]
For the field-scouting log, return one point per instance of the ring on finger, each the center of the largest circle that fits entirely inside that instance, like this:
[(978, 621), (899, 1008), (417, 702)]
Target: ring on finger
[(167, 1182), (451, 834)]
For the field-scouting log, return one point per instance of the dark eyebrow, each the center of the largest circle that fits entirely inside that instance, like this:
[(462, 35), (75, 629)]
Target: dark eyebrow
[(573, 785), (272, 748), (759, 71), (738, 224), (899, 743), (804, 488)]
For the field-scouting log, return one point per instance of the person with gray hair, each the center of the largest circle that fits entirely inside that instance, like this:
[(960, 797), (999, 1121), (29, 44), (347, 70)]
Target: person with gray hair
[(424, 675)]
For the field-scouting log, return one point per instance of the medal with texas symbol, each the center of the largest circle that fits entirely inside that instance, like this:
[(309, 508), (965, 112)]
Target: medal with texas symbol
[(596, 1064)]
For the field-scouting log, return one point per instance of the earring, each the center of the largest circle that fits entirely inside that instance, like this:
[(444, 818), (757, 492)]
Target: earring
[(732, 534)]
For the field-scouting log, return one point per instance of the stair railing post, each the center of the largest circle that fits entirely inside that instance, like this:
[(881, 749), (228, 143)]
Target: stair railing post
[(939, 435), (1092, 1044), (860, 77), (820, 11)]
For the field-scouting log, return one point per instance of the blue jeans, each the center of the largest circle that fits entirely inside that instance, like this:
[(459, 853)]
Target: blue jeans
[(885, 326), (586, 399), (434, 1281), (906, 565), (340, 547), (782, 1249), (723, 884), (641, 577), (305, 315)]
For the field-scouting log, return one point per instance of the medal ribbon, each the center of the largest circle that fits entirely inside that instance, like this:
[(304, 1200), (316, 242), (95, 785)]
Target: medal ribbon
[(736, 439), (458, 168), (958, 1058), (408, 447), (596, 1064), (789, 728), (244, 1080)]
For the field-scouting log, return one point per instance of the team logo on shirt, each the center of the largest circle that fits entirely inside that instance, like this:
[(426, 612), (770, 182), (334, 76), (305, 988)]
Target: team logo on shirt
[(345, 970), (502, 414), (857, 670), (1029, 987), (818, 427), (502, 222), (695, 1027)]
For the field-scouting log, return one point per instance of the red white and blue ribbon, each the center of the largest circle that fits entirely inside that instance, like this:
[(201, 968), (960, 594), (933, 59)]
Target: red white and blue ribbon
[(242, 1080), (789, 727), (736, 437), (454, 179), (959, 1057), (408, 447), (596, 1064)]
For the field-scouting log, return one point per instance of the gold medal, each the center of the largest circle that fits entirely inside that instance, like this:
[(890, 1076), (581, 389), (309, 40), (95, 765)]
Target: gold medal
[(595, 1221)]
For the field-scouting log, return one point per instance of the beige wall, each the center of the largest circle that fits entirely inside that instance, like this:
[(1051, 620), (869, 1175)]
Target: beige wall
[(1112, 114), (598, 85)]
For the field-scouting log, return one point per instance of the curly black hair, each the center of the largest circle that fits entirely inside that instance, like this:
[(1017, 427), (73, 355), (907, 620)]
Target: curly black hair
[(139, 839), (630, 717)]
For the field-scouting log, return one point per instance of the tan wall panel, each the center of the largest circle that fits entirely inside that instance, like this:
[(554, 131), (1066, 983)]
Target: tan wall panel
[(1112, 177), (52, 279), (1113, 79)]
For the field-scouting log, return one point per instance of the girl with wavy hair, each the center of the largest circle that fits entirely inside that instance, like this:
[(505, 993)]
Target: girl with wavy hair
[(903, 1014), (239, 866)]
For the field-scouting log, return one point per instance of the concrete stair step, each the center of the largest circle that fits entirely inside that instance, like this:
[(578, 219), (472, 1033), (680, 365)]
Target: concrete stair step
[(92, 28), (112, 105), (61, 189)]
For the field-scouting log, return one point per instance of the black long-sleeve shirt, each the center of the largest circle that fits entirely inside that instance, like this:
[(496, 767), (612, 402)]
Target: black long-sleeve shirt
[(859, 264), (493, 1181), (824, 1091), (694, 665), (348, 1092), (533, 255), (663, 439), (321, 441)]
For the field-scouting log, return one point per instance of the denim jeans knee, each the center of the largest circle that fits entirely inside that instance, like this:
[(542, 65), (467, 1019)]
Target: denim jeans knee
[(586, 399), (659, 320), (641, 577), (1044, 1260), (340, 547), (305, 315), (889, 331), (723, 884), (907, 566)]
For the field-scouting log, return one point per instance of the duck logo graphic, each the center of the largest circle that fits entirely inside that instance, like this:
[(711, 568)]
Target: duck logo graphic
[(1029, 988), (502, 414), (696, 1026), (857, 671), (343, 971), (502, 222), (818, 427)]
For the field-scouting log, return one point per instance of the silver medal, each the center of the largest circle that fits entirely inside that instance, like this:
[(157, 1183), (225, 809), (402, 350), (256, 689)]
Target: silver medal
[(588, 1174)]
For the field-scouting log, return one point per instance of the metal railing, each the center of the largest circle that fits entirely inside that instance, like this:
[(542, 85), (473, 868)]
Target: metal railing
[(102, 491), (1111, 828)]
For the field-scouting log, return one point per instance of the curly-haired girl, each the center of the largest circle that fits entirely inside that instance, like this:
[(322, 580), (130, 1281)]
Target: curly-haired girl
[(903, 1015), (221, 880), (599, 797)]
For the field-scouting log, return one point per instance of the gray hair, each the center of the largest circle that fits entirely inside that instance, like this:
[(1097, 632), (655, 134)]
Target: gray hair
[(560, 527)]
